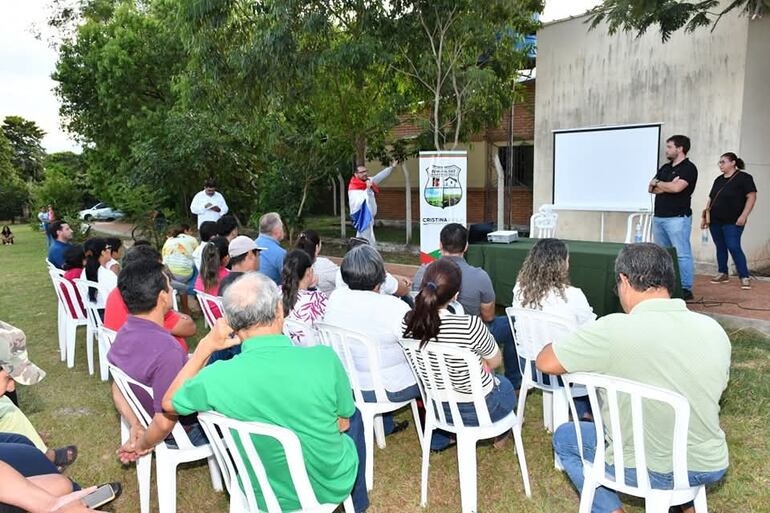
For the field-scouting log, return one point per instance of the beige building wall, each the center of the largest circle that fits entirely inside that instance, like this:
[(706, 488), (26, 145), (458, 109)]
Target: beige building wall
[(697, 84)]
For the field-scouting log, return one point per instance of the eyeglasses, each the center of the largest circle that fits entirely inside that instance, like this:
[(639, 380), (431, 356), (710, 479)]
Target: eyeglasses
[(723, 162)]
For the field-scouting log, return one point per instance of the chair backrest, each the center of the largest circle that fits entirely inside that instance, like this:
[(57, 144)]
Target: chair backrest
[(174, 300), (92, 313), (355, 350), (543, 223), (107, 335), (621, 394), (66, 290), (644, 220), (232, 438), (300, 333), (128, 387), (207, 301), (431, 365), (532, 331), (52, 267)]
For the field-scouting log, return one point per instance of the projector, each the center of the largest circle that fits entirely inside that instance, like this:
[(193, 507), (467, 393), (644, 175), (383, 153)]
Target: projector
[(503, 236)]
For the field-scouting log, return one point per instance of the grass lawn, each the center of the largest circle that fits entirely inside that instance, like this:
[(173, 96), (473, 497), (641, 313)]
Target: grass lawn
[(71, 407)]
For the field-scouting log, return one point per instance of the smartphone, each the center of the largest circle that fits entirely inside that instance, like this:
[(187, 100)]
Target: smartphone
[(102, 495)]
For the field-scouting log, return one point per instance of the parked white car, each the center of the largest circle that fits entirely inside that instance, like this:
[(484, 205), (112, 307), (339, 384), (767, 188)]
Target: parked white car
[(100, 212)]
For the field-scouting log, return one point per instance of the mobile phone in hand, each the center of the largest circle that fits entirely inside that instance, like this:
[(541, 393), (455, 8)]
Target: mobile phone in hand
[(102, 495)]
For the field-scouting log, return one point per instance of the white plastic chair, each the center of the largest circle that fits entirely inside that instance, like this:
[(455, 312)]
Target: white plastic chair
[(174, 300), (542, 224), (610, 388), (61, 310), (52, 267), (644, 220), (300, 333), (166, 458), (438, 390), (94, 324), (69, 318), (352, 346), (104, 338), (532, 330), (207, 301), (226, 433)]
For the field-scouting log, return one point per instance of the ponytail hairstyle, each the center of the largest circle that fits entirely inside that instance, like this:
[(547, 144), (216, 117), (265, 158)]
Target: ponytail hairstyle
[(308, 241), (440, 284), (295, 265), (739, 164), (93, 249), (214, 253)]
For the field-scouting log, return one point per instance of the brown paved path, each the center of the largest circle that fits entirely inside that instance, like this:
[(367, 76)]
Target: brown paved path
[(729, 299), (405, 270)]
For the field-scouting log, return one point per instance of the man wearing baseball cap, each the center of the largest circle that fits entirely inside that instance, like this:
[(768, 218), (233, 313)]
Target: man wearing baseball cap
[(244, 254), (15, 367)]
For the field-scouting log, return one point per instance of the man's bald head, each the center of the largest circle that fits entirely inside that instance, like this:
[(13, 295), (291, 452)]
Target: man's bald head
[(252, 301)]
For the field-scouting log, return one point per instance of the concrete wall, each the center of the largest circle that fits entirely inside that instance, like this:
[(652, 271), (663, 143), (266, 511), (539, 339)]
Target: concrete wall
[(755, 138), (694, 84)]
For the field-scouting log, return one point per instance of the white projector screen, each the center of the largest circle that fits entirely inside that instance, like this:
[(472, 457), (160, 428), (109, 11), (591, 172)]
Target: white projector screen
[(605, 169)]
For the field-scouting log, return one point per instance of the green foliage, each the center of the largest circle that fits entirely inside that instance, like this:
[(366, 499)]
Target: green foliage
[(58, 189), (13, 190), (669, 15), (25, 139)]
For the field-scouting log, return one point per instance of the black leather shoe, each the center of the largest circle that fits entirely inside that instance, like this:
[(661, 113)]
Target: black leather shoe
[(398, 427), (687, 295)]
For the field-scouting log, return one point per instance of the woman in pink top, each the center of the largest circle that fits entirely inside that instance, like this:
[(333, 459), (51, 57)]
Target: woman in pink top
[(214, 261)]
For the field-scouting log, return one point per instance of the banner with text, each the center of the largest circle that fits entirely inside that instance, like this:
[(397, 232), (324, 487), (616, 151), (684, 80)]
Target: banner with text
[(443, 197)]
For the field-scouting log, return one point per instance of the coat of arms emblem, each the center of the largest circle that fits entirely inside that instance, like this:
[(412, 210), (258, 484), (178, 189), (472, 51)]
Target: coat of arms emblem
[(442, 188)]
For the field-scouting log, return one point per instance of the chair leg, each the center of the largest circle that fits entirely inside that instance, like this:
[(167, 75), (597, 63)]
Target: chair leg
[(379, 431), (62, 333), (417, 423), (368, 422), (701, 506), (216, 474), (144, 478), (90, 335), (657, 503), (587, 496), (72, 331), (165, 477), (522, 402), (348, 505), (519, 445), (104, 372), (466, 463), (560, 416), (425, 462), (548, 411)]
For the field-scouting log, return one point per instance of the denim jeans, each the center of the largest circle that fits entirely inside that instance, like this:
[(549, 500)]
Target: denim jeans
[(606, 500), (675, 232), (194, 432), (359, 495), (407, 394), (501, 401), (19, 452), (727, 237), (501, 330)]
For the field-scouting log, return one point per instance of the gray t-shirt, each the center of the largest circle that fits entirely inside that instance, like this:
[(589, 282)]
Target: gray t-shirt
[(476, 287)]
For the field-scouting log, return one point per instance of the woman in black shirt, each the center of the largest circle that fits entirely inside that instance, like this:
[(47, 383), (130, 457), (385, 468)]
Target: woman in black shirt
[(731, 200)]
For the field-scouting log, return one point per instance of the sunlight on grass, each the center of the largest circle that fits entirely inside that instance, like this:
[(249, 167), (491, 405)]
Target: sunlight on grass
[(71, 407)]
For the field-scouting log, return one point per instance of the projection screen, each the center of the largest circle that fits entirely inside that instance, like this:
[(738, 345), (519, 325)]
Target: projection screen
[(605, 168)]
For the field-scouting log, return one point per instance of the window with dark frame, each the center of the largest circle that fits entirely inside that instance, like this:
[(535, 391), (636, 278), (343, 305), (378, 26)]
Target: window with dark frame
[(522, 172)]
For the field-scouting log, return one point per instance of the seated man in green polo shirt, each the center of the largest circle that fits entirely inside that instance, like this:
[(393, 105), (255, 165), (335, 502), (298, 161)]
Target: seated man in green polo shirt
[(304, 389), (657, 342)]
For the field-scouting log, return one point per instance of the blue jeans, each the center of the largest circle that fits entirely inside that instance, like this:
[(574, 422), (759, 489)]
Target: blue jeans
[(407, 394), (501, 401), (501, 330), (194, 432), (675, 232), (20, 453), (359, 495), (727, 237), (606, 500)]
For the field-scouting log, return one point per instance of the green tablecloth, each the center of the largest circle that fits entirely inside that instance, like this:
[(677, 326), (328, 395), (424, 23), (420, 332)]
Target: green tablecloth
[(591, 265)]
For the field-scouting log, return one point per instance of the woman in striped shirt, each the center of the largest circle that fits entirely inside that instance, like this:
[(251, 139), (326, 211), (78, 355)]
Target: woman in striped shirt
[(431, 322)]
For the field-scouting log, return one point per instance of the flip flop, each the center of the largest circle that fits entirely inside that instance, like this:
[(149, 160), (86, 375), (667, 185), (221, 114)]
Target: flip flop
[(65, 456)]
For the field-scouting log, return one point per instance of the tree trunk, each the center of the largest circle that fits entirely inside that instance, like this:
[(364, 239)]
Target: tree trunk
[(407, 202), (360, 150), (342, 206)]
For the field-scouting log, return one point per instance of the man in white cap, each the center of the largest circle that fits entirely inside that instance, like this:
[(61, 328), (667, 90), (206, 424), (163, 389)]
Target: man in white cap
[(244, 254), (15, 367)]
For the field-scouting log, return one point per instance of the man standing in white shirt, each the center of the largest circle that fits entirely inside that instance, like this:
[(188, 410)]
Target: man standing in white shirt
[(363, 204), (208, 204)]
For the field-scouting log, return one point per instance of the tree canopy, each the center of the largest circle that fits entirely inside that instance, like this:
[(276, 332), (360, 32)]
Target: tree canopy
[(670, 15), (27, 152)]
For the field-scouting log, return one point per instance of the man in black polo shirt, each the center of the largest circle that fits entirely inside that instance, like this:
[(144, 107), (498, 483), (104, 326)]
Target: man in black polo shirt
[(673, 186)]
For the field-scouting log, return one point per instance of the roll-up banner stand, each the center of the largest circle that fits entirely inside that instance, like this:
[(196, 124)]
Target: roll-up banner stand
[(443, 197)]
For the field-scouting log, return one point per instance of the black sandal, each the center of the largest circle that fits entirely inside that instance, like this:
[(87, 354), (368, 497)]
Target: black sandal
[(398, 427), (65, 456)]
